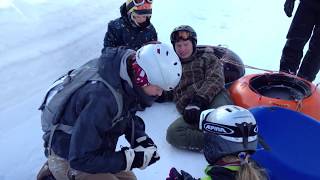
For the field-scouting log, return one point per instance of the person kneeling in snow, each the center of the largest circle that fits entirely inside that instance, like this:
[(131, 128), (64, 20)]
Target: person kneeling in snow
[(230, 136), (88, 109)]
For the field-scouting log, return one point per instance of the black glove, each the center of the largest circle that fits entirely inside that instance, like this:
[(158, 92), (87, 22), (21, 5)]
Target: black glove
[(288, 7), (175, 175), (144, 158), (191, 113), (166, 96), (140, 158), (145, 153), (143, 141)]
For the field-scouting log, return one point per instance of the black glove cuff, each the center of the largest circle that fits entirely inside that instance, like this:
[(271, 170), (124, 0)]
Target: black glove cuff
[(199, 101)]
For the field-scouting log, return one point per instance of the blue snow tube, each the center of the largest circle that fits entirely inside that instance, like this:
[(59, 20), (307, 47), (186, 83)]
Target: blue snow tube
[(293, 139)]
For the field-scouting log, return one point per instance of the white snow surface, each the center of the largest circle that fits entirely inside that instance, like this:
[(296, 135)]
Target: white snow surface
[(41, 39)]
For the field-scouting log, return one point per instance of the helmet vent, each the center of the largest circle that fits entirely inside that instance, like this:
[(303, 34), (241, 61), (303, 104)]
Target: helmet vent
[(158, 50), (229, 110), (167, 53), (236, 108), (175, 63)]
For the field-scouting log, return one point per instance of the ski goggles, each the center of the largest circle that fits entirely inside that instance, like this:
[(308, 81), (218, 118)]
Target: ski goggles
[(181, 35), (141, 2)]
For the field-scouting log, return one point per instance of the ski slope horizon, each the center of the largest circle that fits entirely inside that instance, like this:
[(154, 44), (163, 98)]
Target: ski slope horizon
[(41, 40)]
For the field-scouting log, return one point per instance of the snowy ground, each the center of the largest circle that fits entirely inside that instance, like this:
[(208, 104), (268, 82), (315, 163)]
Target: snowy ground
[(41, 39)]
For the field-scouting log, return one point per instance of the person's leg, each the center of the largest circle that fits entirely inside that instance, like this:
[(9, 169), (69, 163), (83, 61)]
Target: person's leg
[(123, 175), (58, 167), (126, 175), (222, 98), (298, 35), (185, 136), (311, 62), (101, 176)]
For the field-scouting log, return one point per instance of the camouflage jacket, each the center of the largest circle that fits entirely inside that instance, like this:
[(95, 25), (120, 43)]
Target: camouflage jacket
[(202, 75)]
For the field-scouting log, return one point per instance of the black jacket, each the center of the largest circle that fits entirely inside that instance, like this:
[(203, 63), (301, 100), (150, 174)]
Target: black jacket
[(122, 32)]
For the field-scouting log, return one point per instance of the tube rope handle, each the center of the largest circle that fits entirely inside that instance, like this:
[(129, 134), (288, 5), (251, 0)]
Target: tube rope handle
[(256, 68)]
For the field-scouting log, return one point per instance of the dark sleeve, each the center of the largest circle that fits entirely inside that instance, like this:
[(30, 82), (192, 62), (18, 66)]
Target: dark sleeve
[(137, 131), (154, 35), (214, 78), (112, 37), (87, 152)]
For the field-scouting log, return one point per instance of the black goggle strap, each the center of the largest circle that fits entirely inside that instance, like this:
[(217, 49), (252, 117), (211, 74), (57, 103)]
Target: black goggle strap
[(245, 129)]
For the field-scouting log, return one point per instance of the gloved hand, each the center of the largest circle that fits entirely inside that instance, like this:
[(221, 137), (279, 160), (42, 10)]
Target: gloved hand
[(145, 147), (288, 7), (166, 96), (143, 141), (143, 154), (175, 175), (191, 113)]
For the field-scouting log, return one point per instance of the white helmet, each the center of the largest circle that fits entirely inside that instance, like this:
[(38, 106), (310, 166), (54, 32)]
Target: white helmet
[(161, 64), (228, 130)]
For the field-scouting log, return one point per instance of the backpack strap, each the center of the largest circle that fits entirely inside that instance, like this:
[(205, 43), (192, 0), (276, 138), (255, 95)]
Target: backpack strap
[(116, 94), (79, 79)]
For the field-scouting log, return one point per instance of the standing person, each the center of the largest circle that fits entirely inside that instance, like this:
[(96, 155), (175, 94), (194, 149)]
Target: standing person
[(228, 154), (133, 29), (305, 24), (87, 110), (201, 87)]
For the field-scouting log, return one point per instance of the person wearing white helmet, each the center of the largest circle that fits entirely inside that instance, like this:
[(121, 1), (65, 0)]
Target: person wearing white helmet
[(230, 137), (88, 109)]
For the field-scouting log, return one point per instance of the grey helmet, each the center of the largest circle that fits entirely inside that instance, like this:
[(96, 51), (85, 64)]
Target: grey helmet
[(228, 130), (191, 35)]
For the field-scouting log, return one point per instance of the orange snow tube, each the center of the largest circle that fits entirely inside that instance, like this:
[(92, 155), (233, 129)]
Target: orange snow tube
[(277, 89)]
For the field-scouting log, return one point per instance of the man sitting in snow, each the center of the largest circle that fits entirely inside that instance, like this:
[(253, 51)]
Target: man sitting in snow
[(201, 87), (133, 29)]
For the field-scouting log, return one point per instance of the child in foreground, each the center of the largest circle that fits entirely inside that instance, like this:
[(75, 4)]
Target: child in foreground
[(230, 136)]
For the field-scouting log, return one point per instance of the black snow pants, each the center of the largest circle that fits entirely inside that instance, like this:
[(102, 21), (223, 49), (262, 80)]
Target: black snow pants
[(305, 24)]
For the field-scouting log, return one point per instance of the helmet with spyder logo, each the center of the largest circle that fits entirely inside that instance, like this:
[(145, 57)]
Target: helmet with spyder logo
[(228, 130)]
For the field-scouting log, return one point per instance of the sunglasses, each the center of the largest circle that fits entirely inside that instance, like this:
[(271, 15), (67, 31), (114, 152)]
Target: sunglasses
[(181, 35), (141, 2)]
